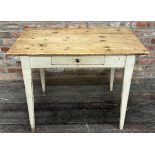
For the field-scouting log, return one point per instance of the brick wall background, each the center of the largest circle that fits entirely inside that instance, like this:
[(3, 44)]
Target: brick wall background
[(10, 68)]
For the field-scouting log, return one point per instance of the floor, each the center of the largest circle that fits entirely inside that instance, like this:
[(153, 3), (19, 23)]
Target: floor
[(81, 107)]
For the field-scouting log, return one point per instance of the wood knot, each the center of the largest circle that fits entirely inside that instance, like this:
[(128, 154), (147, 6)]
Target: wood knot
[(106, 46), (102, 36), (43, 45), (108, 50), (66, 39), (67, 48), (55, 32)]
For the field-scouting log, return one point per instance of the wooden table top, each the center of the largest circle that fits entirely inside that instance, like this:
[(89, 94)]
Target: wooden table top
[(79, 41)]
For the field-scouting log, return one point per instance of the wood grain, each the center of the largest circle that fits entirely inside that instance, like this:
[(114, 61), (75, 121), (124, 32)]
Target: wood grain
[(101, 41)]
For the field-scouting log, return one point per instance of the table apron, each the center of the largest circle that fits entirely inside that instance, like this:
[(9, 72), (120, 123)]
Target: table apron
[(86, 61)]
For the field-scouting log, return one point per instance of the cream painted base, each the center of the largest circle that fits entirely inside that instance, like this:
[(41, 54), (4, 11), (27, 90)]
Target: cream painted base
[(118, 61), (42, 76)]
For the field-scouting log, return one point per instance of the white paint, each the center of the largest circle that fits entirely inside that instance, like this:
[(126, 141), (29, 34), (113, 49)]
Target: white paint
[(115, 61), (128, 71), (42, 62), (42, 76), (27, 75), (85, 62), (112, 75)]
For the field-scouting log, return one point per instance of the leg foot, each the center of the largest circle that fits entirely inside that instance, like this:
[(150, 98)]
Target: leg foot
[(33, 130)]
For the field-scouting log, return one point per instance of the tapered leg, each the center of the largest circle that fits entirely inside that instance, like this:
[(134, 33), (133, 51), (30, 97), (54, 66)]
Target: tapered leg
[(112, 75), (129, 66), (42, 75), (27, 76)]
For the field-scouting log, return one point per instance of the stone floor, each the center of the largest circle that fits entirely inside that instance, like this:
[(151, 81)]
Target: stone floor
[(77, 108)]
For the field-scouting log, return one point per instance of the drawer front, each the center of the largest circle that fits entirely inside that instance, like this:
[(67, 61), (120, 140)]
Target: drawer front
[(77, 60)]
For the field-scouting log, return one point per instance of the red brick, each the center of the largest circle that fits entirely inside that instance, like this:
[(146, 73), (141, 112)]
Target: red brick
[(1, 42), (153, 40), (31, 26), (119, 76), (141, 29), (139, 68), (10, 62), (14, 70), (143, 24), (2, 70), (115, 24), (149, 32), (55, 25), (10, 76), (15, 34), (2, 55), (76, 24), (150, 48), (138, 33), (150, 69), (4, 49), (2, 63), (143, 74), (18, 63), (12, 26), (1, 76), (145, 40), (146, 61), (153, 24), (8, 42), (97, 24), (5, 35), (151, 55)]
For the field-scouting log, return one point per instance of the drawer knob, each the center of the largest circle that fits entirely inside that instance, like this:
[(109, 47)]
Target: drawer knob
[(77, 60)]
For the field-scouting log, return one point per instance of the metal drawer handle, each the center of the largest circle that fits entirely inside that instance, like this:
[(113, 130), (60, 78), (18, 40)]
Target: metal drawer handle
[(77, 60)]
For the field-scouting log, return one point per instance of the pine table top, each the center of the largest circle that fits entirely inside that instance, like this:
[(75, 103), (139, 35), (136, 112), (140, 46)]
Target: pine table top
[(77, 41)]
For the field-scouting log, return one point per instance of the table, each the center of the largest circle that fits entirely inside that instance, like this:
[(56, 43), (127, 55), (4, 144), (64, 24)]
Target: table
[(77, 48)]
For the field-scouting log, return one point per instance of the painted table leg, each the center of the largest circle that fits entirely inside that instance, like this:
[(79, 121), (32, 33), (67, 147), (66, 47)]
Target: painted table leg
[(129, 66), (42, 75), (112, 75), (27, 76)]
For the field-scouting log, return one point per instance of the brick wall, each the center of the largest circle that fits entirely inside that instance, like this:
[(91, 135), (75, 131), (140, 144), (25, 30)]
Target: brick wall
[(10, 68)]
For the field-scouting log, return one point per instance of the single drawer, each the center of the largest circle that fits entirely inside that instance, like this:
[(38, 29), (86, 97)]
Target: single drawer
[(75, 60)]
